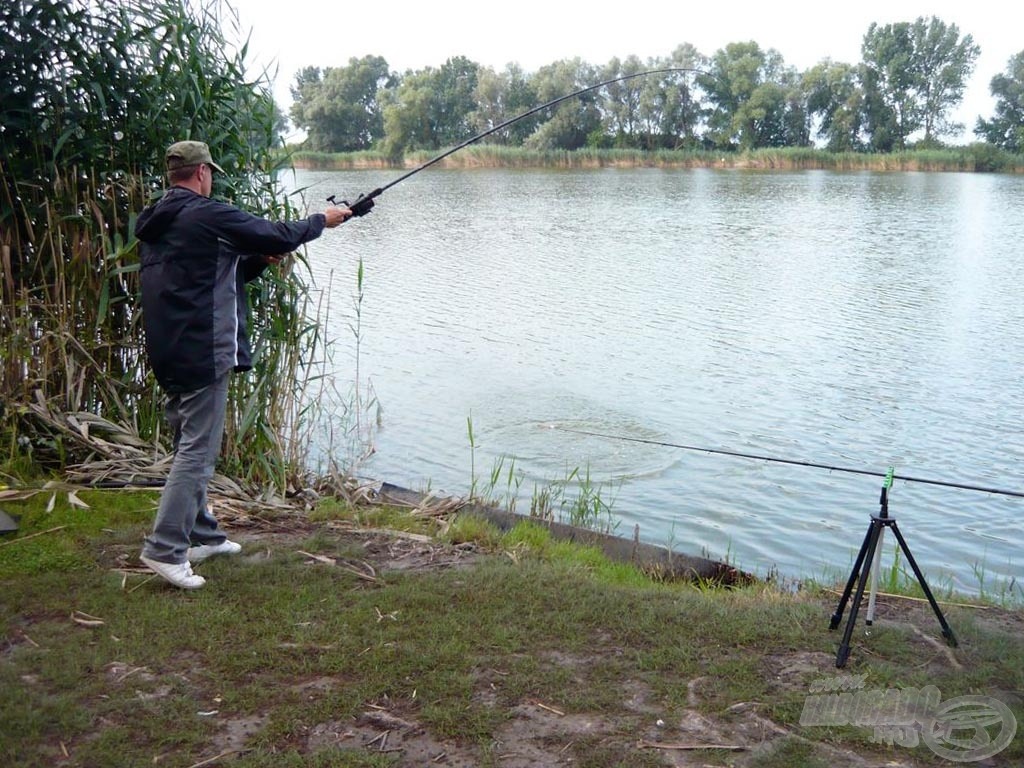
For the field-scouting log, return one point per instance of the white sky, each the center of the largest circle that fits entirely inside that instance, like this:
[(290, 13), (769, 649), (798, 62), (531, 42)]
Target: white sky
[(298, 33)]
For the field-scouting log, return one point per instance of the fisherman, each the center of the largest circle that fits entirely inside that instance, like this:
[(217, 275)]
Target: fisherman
[(196, 256)]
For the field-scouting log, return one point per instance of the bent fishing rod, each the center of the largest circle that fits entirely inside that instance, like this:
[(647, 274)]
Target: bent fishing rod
[(362, 204), (890, 475)]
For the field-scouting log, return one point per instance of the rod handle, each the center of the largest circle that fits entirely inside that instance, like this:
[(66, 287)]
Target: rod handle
[(360, 206)]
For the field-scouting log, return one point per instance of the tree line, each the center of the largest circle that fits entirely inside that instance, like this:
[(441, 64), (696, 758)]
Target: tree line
[(901, 95)]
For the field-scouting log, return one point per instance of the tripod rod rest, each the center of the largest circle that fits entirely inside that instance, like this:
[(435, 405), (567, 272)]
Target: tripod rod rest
[(886, 485)]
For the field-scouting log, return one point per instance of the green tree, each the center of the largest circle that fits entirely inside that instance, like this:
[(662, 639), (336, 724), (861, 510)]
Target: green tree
[(750, 94), (454, 101), (676, 109), (340, 108), (657, 110), (407, 108), (432, 108), (671, 105), (835, 99), (892, 111), (305, 78), (500, 97), (522, 96), (620, 102), (913, 75), (573, 120), (776, 115), (944, 62), (1006, 128), (795, 126)]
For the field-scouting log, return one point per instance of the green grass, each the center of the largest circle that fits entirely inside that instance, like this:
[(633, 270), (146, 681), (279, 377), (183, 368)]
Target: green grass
[(295, 647), (69, 547), (897, 577)]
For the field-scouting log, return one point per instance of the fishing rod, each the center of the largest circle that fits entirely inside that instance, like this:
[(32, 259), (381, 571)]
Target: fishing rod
[(890, 475), (362, 204)]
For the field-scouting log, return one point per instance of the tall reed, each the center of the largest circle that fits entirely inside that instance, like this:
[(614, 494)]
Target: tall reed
[(93, 92)]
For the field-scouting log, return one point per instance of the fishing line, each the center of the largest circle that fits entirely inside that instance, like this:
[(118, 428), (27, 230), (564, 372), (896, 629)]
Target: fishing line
[(362, 204), (794, 462)]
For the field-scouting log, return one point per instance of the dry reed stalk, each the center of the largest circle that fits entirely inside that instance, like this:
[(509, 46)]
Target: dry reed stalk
[(32, 536), (689, 747)]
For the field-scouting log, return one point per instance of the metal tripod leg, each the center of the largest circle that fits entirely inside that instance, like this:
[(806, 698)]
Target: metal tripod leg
[(838, 615), (861, 570), (876, 567), (866, 557), (946, 631)]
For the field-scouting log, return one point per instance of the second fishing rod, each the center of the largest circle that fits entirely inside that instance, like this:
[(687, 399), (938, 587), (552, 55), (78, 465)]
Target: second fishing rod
[(889, 476), (363, 204)]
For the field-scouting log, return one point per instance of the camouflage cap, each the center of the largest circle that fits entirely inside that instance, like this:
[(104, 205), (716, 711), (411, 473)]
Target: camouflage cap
[(184, 153)]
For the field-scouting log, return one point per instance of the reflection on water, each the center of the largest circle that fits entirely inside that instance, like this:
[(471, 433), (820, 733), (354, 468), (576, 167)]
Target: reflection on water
[(853, 319)]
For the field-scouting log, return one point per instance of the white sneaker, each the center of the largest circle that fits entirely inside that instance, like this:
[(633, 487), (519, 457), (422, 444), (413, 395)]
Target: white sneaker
[(203, 551), (178, 574)]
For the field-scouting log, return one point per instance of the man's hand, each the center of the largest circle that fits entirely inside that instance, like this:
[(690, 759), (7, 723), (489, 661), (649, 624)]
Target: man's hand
[(336, 216)]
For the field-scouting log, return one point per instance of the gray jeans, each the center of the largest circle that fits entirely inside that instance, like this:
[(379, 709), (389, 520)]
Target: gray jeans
[(183, 519)]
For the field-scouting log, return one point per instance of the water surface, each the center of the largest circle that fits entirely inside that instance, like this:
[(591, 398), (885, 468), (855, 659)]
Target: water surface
[(855, 319)]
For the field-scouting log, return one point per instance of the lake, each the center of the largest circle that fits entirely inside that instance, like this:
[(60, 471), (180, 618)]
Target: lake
[(857, 320)]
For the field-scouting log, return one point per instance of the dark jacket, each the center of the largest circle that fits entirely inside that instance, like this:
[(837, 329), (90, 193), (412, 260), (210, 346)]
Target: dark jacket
[(197, 255)]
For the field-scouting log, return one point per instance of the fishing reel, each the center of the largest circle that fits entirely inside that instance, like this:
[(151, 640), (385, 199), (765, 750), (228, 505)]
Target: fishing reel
[(360, 207)]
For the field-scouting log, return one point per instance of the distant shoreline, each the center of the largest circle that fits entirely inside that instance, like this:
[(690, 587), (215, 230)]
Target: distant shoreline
[(975, 158)]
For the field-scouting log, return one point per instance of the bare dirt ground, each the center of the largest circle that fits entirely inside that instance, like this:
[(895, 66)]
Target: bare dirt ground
[(536, 734)]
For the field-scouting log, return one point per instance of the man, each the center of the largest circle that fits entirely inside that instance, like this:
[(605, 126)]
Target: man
[(197, 254)]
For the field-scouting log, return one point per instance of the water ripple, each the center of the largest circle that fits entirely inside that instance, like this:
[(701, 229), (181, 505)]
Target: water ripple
[(854, 319)]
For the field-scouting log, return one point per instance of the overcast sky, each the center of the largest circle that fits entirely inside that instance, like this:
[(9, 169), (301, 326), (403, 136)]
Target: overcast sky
[(297, 33)]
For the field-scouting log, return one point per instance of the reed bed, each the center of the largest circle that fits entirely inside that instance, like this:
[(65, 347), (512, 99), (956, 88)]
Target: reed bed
[(96, 90), (974, 158)]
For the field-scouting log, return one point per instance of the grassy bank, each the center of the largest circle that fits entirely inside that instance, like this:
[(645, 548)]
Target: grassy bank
[(972, 158), (368, 636)]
